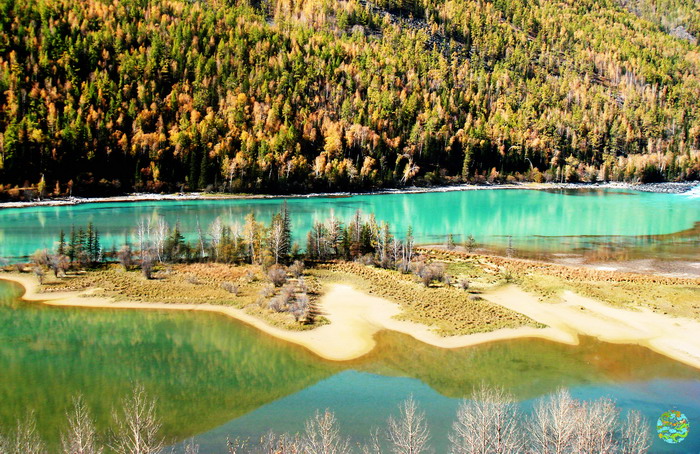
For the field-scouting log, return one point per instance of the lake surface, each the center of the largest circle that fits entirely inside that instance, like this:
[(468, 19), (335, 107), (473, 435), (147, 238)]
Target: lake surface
[(216, 378), (561, 221)]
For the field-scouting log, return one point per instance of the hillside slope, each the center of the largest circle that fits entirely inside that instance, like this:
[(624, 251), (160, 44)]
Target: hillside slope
[(308, 95)]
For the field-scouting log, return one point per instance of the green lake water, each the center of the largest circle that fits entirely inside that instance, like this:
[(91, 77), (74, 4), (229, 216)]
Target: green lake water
[(216, 378), (664, 225)]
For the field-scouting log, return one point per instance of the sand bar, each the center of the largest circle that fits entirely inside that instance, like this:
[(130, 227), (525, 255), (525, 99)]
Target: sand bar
[(675, 337), (355, 317)]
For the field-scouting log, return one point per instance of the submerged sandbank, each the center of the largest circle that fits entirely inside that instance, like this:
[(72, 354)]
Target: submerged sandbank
[(355, 317)]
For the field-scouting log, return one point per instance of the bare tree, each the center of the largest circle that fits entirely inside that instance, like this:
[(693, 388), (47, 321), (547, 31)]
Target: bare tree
[(384, 239), (147, 264), (160, 235), (374, 446), (39, 272), (230, 287), (202, 242), (552, 427), (595, 427), (25, 439), (216, 230), (59, 263), (297, 268), (271, 443), (137, 426), (124, 256), (277, 240), (488, 424), (409, 434), (277, 275), (4, 445), (300, 309), (144, 237), (41, 257), (191, 447), (409, 245), (322, 435), (635, 438), (81, 437), (395, 248), (237, 446)]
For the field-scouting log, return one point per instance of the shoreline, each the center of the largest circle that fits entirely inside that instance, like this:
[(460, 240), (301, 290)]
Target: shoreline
[(668, 188), (348, 336), (355, 317)]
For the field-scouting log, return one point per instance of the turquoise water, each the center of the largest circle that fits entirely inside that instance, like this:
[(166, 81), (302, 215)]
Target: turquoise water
[(216, 378), (539, 221)]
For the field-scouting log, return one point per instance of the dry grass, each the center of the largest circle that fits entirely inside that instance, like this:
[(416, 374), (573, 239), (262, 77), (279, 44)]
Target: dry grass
[(450, 310), (199, 283), (662, 294)]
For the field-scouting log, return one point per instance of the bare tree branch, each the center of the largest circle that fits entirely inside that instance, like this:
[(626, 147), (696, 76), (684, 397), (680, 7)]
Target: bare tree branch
[(488, 424), (81, 437), (322, 435), (635, 437), (409, 434), (137, 428)]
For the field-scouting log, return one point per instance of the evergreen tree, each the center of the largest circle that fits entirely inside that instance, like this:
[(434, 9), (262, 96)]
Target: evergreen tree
[(61, 250)]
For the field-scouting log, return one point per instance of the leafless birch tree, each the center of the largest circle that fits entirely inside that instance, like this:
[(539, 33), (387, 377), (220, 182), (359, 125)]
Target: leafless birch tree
[(488, 424), (143, 233), (25, 439), (160, 234), (276, 239), (595, 427), (200, 238), (635, 438), (216, 230), (409, 434), (81, 437), (137, 426), (552, 426), (322, 435), (272, 443), (373, 446)]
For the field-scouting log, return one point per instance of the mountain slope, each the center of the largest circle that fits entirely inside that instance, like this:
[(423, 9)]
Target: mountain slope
[(287, 95)]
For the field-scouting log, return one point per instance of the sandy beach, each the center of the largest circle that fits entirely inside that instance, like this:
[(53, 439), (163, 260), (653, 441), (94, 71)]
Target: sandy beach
[(355, 317)]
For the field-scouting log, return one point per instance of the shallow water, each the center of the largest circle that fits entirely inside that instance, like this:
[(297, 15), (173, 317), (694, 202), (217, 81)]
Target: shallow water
[(215, 377), (646, 224)]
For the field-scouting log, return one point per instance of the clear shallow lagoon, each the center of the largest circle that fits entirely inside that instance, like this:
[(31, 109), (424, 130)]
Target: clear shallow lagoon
[(215, 377), (538, 221)]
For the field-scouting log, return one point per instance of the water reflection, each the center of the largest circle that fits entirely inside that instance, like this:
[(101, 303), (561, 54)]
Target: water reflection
[(207, 370), (536, 220)]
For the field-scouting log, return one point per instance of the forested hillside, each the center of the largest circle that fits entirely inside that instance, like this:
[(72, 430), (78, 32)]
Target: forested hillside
[(308, 95)]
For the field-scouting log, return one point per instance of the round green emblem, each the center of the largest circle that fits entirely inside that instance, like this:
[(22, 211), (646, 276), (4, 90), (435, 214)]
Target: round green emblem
[(672, 426)]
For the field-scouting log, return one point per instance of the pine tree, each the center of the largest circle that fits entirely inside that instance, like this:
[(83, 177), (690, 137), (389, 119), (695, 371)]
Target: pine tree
[(97, 248), (286, 230), (90, 242), (73, 245), (61, 243)]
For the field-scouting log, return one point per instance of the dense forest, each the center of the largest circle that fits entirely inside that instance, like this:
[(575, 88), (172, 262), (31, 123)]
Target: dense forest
[(278, 96)]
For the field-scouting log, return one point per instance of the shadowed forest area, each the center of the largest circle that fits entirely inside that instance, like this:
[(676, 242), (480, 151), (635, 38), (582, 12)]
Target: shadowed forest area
[(276, 96)]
